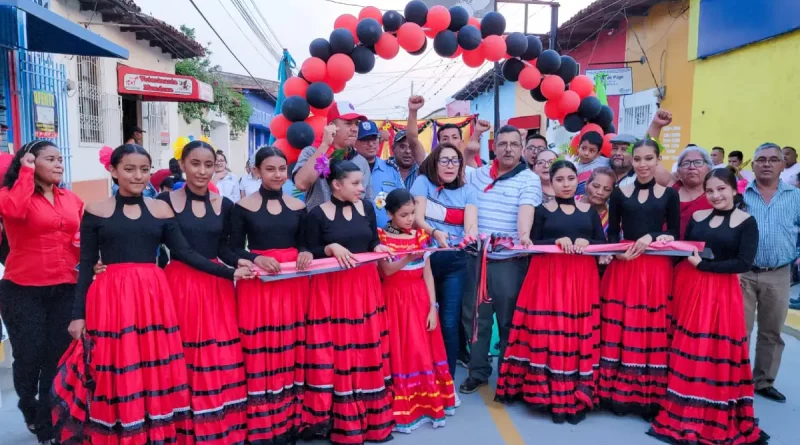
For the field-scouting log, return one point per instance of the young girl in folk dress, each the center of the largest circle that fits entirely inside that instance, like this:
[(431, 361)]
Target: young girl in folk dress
[(423, 387)]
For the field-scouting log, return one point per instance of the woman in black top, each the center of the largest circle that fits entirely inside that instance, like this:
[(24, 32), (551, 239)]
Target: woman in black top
[(710, 388), (635, 289), (347, 337), (551, 356), (127, 378), (272, 314)]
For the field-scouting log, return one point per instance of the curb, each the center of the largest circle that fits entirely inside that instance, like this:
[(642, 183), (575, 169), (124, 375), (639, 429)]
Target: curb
[(792, 324)]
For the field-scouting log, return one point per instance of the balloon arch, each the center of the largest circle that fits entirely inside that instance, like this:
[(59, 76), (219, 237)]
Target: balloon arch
[(356, 41)]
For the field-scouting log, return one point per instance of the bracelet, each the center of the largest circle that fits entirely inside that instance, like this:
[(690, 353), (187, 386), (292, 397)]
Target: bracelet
[(435, 305), (434, 232)]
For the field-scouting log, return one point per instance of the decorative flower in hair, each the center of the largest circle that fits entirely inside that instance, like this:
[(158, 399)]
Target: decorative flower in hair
[(105, 156), (177, 146), (380, 200)]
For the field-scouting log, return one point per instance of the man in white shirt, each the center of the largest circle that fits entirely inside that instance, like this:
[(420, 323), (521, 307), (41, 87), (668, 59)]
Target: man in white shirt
[(792, 169), (718, 157)]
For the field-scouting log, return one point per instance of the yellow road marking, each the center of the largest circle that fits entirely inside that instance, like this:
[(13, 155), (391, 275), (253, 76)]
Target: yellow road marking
[(793, 319), (500, 417)]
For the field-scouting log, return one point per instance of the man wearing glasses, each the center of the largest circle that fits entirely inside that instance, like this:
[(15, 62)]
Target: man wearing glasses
[(534, 145), (776, 207)]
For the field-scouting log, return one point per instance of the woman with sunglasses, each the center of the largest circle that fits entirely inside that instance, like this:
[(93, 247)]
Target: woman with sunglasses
[(38, 288)]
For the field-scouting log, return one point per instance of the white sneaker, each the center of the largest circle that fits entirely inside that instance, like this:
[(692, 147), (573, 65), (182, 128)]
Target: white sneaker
[(458, 400)]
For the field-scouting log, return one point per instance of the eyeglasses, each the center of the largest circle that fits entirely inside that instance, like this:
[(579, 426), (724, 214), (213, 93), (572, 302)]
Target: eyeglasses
[(697, 163), (534, 148), (547, 164), (772, 161), (505, 145), (444, 162)]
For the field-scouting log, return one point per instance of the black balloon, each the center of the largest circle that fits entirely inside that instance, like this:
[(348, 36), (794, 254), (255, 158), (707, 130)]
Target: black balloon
[(568, 69), (516, 44), (469, 37), (610, 129), (446, 43), (417, 12), (363, 59), (295, 108), (590, 107), (493, 23), (342, 41), (319, 95), (534, 48), (573, 122), (392, 21), (368, 31), (421, 50), (321, 49), (300, 135), (605, 118), (511, 69), (548, 62), (459, 17), (537, 95)]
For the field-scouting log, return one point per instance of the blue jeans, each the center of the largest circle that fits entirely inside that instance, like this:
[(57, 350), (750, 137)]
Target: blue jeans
[(449, 274)]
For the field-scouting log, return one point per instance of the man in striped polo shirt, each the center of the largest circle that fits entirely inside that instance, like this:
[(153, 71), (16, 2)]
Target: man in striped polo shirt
[(507, 193)]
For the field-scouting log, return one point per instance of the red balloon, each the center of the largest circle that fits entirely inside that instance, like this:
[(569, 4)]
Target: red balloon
[(336, 85), (474, 58), (591, 127), (279, 126), (295, 86), (474, 22), (291, 153), (320, 111), (341, 68), (372, 13), (606, 149), (552, 111), (458, 53), (493, 48), (314, 69), (438, 18), (387, 47), (582, 85), (553, 87), (530, 78), (430, 33), (348, 22), (411, 37), (569, 102), (576, 141), (317, 123)]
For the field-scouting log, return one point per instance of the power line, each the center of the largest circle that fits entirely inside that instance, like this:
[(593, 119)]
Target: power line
[(255, 28), (269, 28), (270, 62)]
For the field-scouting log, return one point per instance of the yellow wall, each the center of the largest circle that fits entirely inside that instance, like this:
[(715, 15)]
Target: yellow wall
[(524, 105), (748, 96), (664, 35)]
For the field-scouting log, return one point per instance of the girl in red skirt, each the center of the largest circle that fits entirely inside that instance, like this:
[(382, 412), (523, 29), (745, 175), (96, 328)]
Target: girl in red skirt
[(131, 387), (710, 388), (421, 381), (635, 289), (272, 314), (347, 338), (552, 357)]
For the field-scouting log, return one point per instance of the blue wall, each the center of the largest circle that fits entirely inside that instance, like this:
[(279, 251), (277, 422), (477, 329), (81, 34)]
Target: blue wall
[(725, 25), (258, 130), (483, 106)]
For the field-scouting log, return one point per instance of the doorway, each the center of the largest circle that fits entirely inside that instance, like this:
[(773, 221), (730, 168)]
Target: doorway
[(130, 116)]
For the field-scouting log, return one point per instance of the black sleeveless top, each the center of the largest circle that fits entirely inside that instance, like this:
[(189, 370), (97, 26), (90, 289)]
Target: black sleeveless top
[(549, 226), (637, 219), (208, 236), (119, 239), (734, 248), (262, 230), (358, 235)]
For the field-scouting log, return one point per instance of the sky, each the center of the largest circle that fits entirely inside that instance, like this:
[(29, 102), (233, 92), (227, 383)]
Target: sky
[(384, 92)]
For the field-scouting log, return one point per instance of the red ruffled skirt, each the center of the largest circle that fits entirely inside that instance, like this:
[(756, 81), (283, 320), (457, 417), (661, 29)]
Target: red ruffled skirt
[(272, 328), (136, 391), (710, 389), (553, 349), (421, 382), (206, 309), (633, 333), (347, 359)]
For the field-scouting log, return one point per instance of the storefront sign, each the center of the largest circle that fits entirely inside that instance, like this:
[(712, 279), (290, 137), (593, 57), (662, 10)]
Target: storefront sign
[(156, 86), (45, 115), (619, 81)]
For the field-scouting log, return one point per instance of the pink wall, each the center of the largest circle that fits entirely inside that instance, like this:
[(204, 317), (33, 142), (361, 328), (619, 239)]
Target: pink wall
[(606, 48)]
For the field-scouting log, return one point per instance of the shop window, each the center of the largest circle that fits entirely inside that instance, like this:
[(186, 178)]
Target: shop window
[(90, 100), (637, 111)]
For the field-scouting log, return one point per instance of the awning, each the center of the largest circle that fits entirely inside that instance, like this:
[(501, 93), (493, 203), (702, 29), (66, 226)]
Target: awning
[(49, 32), (526, 121), (154, 86)]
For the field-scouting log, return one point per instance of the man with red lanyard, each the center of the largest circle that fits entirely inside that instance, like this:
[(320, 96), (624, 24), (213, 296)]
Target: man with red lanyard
[(341, 133)]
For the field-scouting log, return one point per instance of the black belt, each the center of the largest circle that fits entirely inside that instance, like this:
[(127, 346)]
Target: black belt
[(766, 269)]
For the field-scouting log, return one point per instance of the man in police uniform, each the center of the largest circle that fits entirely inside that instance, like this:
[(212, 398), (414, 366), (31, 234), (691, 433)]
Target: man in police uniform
[(385, 177)]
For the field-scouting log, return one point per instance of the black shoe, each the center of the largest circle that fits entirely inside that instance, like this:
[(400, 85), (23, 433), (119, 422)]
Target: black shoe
[(470, 385), (768, 393)]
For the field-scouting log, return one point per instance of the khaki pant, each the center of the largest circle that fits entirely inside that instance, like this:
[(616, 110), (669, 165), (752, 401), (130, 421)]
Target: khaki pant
[(766, 299)]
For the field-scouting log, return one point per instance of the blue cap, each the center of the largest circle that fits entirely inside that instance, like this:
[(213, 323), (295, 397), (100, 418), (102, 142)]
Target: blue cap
[(367, 129)]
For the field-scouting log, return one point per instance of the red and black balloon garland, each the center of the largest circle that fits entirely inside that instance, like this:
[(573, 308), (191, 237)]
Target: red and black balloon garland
[(356, 41)]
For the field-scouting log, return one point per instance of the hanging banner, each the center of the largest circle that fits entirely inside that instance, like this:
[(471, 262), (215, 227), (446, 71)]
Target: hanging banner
[(45, 116), (476, 8), (619, 81)]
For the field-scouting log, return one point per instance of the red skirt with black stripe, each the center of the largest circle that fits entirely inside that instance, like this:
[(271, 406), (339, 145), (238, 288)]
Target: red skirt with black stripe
[(710, 388), (553, 349), (136, 391), (348, 375), (633, 333), (272, 329), (206, 309)]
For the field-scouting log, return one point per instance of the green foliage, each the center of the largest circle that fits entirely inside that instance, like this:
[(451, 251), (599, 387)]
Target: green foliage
[(227, 102)]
